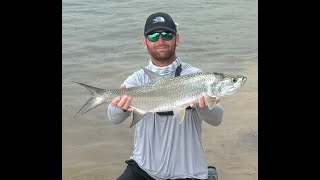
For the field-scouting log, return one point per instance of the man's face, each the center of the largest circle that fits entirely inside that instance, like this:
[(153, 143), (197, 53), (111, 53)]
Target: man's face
[(162, 49)]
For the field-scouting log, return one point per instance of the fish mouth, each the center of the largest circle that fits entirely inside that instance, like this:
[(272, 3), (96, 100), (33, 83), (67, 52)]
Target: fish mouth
[(244, 79)]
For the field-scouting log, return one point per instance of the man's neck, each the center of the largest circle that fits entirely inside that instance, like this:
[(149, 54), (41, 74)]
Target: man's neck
[(163, 63)]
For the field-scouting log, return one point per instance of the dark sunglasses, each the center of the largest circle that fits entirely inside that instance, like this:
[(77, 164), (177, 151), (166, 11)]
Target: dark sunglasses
[(167, 36)]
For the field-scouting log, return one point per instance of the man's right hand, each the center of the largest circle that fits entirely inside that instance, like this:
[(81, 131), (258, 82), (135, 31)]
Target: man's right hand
[(122, 102)]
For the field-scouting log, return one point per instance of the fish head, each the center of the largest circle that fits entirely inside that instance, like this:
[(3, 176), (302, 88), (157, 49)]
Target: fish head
[(226, 84)]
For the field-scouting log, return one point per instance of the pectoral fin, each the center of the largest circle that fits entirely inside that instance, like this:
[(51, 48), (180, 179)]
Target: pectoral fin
[(180, 112), (211, 101), (137, 116)]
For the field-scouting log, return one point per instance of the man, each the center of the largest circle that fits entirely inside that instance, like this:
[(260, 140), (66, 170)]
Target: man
[(163, 148)]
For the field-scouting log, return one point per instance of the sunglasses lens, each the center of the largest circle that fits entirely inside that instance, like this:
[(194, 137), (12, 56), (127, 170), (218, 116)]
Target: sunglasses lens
[(167, 36), (154, 37)]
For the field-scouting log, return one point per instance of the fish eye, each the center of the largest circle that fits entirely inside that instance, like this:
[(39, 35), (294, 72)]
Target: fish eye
[(234, 80)]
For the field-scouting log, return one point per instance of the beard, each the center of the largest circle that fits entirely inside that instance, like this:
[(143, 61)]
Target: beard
[(163, 56)]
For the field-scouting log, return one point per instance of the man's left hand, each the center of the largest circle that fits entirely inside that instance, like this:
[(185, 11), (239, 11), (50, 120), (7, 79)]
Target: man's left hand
[(201, 102)]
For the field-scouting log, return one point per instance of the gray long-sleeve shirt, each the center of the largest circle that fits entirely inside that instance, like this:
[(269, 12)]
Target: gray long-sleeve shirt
[(163, 148)]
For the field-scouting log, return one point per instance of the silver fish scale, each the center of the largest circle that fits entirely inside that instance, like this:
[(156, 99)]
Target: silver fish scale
[(167, 94)]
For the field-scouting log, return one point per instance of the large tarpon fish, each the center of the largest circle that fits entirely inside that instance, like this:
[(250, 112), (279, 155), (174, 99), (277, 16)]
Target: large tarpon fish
[(168, 94)]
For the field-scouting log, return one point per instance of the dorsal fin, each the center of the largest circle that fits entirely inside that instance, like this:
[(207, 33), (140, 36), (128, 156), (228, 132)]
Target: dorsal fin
[(154, 77)]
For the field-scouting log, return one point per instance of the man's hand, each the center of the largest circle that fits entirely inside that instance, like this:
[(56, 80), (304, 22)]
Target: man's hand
[(201, 102), (122, 102)]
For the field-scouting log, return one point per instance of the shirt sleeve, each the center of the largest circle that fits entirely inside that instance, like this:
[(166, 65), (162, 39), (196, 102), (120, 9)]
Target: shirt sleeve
[(116, 115), (213, 117)]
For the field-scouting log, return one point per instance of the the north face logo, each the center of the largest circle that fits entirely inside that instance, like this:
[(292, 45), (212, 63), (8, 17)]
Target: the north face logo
[(158, 19)]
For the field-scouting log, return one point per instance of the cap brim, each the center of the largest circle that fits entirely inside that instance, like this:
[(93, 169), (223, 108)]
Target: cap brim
[(159, 27)]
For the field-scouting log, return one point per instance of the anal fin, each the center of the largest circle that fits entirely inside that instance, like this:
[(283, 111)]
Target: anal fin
[(137, 116), (179, 113)]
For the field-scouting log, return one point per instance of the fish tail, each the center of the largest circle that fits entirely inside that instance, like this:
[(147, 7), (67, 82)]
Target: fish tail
[(97, 99)]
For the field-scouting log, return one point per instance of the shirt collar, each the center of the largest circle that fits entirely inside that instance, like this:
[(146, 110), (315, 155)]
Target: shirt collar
[(166, 70)]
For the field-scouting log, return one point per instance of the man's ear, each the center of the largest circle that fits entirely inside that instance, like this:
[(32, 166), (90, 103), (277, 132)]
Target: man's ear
[(144, 42), (177, 39)]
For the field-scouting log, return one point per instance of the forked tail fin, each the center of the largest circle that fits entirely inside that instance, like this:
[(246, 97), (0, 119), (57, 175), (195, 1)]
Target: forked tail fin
[(94, 101)]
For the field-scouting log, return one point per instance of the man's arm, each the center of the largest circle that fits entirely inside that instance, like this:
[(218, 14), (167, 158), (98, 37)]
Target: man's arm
[(118, 109), (214, 116)]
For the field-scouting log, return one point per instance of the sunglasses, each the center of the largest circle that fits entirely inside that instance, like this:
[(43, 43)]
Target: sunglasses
[(167, 36)]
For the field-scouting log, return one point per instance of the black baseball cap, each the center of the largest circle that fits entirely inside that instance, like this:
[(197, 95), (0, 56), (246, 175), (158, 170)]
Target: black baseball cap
[(159, 20)]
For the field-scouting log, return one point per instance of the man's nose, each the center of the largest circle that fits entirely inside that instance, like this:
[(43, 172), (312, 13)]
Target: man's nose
[(160, 39)]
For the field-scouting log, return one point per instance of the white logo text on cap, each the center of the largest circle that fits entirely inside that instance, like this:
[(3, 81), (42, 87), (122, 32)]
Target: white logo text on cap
[(158, 19)]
